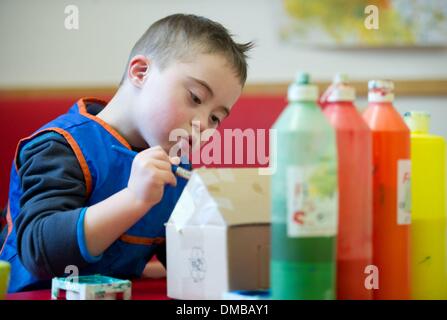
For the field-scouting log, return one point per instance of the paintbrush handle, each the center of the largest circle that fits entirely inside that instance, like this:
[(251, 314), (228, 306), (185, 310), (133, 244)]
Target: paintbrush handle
[(181, 172)]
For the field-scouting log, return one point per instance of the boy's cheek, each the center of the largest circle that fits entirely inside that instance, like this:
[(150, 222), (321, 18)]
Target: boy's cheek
[(174, 121)]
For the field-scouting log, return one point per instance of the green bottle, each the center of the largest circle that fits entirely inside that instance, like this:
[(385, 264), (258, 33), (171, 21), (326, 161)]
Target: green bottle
[(304, 198)]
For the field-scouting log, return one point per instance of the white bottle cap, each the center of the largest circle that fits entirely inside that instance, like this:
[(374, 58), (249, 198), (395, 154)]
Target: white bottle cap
[(380, 91), (340, 89), (302, 90)]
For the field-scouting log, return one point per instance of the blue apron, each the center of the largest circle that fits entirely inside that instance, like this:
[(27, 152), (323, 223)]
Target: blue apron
[(105, 172)]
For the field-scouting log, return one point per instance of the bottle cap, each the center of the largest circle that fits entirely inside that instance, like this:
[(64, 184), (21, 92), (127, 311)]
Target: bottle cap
[(417, 121), (339, 90), (380, 91), (301, 89)]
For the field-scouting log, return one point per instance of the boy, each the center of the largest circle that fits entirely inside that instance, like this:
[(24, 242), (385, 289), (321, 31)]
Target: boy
[(74, 200)]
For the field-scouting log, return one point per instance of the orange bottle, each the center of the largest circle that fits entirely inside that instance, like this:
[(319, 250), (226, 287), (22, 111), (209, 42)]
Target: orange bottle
[(391, 193), (354, 144)]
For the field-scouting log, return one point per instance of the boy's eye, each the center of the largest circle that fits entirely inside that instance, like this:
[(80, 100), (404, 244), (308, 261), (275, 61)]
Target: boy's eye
[(195, 98), (215, 119)]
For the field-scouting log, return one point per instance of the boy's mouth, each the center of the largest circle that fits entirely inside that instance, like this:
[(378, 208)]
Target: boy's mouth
[(186, 145)]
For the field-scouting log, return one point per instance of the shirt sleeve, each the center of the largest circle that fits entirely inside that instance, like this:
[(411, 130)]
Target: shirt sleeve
[(54, 196), (81, 240)]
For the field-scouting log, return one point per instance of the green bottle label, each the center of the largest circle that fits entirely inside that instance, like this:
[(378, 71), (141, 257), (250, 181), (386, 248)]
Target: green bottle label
[(311, 201)]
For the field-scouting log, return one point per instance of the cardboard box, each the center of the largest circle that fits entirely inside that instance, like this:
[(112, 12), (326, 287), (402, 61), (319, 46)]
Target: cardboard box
[(218, 236)]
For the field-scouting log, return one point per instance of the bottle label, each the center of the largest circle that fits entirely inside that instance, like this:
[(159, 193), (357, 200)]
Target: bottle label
[(312, 202), (403, 192)]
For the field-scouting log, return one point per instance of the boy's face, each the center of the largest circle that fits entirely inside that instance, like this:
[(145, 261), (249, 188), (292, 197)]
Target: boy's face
[(197, 93)]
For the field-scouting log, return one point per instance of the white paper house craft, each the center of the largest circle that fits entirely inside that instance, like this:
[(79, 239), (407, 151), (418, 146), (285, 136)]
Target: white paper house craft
[(218, 236)]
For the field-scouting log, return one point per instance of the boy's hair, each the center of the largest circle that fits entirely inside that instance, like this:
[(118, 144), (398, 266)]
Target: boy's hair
[(180, 36)]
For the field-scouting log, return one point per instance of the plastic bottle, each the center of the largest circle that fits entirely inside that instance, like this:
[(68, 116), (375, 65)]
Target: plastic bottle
[(428, 229), (354, 142), (304, 199), (391, 193)]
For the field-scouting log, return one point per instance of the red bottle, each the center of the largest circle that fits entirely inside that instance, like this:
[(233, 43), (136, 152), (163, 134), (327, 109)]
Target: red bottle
[(391, 192), (354, 244)]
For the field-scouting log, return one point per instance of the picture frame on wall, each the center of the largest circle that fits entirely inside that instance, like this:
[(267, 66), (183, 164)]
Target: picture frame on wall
[(364, 23)]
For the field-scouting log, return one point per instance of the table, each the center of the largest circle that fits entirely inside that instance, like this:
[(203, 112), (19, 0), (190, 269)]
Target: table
[(142, 289)]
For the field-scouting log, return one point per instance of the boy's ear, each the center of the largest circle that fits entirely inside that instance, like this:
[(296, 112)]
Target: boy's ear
[(138, 69)]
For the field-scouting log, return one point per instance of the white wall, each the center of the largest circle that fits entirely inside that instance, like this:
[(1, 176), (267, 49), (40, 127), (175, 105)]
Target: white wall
[(37, 50), (436, 106)]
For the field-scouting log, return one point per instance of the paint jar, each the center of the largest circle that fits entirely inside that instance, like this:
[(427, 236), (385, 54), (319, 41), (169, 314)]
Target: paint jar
[(391, 192), (5, 270), (428, 225), (304, 208), (354, 143)]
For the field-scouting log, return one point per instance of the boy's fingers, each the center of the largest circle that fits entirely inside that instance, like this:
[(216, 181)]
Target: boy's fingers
[(160, 154), (165, 170), (154, 153), (175, 160), (157, 158), (168, 177), (160, 164)]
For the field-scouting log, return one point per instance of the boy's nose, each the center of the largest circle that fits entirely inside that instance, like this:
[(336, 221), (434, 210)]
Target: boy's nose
[(200, 123)]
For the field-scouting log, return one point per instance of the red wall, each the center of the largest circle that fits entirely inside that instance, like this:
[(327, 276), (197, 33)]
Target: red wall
[(21, 116)]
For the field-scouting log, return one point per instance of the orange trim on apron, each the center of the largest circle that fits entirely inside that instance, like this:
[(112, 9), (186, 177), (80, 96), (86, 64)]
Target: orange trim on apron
[(74, 146), (105, 125), (141, 240), (9, 222)]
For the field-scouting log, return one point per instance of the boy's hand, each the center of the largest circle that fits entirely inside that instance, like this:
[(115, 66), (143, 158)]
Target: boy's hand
[(151, 170)]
